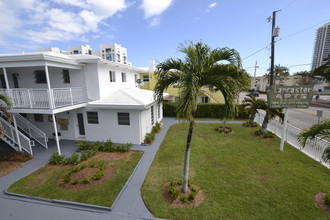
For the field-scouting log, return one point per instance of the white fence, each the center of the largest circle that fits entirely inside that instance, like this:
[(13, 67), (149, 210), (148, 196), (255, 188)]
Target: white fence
[(313, 148), (44, 98)]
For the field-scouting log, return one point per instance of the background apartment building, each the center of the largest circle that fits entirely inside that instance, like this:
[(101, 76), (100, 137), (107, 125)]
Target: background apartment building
[(321, 46)]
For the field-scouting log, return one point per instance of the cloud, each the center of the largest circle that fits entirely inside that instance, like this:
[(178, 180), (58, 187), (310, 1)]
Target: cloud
[(212, 5), (155, 21), (44, 21), (155, 7)]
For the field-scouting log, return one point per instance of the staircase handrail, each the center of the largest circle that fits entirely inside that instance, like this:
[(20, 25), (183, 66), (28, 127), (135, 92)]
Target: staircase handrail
[(34, 128)]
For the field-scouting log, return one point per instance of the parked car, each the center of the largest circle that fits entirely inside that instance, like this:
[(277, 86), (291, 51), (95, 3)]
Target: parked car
[(254, 93)]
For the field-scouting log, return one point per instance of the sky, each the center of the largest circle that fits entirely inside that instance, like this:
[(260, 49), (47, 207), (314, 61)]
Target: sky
[(153, 29)]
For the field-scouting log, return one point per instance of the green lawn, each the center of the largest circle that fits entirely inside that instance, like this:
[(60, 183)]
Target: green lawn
[(242, 176), (43, 183)]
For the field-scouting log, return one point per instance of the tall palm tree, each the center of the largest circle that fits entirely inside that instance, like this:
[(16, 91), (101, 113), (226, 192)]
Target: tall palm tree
[(251, 105), (219, 69), (321, 131), (5, 105), (271, 113)]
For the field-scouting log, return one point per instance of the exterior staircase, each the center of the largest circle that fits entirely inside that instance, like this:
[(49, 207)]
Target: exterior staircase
[(26, 136)]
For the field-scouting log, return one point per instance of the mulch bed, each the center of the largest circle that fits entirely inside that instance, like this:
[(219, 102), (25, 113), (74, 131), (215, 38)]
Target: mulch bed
[(177, 202), (319, 200)]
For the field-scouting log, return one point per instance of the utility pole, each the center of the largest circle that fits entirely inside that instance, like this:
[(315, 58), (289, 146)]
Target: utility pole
[(275, 32), (255, 69)]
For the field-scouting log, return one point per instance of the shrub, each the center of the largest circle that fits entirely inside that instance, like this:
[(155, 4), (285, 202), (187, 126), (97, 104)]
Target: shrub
[(85, 145), (86, 180), (268, 135), (97, 145), (74, 159), (327, 199), (221, 130), (107, 146), (56, 159), (251, 125), (74, 182), (192, 195), (98, 175), (67, 177), (83, 156), (184, 198), (173, 192), (149, 138), (123, 147), (179, 182), (156, 128)]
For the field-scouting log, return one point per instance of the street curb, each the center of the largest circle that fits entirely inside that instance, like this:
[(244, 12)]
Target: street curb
[(78, 205)]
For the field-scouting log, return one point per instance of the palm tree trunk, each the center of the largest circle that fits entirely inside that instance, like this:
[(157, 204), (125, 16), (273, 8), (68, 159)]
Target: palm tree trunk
[(224, 125), (265, 124), (252, 117), (187, 157)]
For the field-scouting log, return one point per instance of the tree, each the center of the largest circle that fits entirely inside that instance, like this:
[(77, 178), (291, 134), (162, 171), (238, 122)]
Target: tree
[(219, 69), (279, 72), (324, 70), (251, 105), (321, 131), (5, 105), (307, 78), (271, 113)]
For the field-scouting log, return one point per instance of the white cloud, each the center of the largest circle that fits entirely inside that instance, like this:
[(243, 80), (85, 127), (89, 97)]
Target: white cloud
[(155, 7), (44, 21), (155, 21), (213, 5)]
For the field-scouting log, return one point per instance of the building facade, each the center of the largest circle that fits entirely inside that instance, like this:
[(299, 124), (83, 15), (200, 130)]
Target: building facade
[(74, 97), (321, 46)]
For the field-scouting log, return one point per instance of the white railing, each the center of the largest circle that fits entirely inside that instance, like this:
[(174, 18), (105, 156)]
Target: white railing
[(11, 138), (44, 98), (313, 148), (30, 129)]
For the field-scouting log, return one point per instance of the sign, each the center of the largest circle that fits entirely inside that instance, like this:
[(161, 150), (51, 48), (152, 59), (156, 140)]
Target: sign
[(289, 96)]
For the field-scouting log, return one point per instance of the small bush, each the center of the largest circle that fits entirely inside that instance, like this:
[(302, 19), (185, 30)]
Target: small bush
[(327, 199), (56, 159), (184, 198), (74, 159), (267, 135), (221, 130), (149, 138), (86, 180), (173, 183), (192, 195), (75, 182), (85, 145), (97, 145), (107, 146), (173, 192), (67, 177), (194, 189), (251, 125), (156, 128), (179, 182), (83, 156)]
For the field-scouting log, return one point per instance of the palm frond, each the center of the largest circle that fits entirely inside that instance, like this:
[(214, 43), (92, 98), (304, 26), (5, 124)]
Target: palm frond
[(321, 131)]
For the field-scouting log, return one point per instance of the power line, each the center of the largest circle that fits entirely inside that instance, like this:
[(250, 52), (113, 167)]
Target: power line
[(256, 52), (288, 4)]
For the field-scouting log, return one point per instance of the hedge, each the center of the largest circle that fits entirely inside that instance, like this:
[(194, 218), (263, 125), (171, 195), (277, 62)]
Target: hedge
[(204, 110)]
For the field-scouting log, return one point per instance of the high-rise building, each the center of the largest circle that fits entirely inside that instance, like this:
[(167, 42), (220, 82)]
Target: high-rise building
[(322, 46)]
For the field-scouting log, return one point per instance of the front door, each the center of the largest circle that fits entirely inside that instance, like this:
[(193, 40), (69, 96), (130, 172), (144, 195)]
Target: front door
[(81, 124)]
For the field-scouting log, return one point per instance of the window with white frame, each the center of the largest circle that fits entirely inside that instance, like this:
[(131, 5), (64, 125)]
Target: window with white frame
[(112, 75), (158, 110), (145, 78), (123, 118), (205, 99), (66, 76), (92, 118), (123, 77), (40, 76), (152, 115)]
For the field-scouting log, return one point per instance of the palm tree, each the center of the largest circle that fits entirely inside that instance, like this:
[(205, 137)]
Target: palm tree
[(5, 105), (271, 113), (324, 70), (321, 131), (219, 69), (251, 105)]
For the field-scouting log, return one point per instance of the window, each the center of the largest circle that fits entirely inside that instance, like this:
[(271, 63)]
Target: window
[(152, 115), (123, 77), (158, 110), (205, 99), (66, 76), (108, 57), (107, 50), (176, 98), (176, 86), (92, 118), (112, 75), (123, 118), (40, 76), (3, 82), (145, 78), (76, 52), (38, 118)]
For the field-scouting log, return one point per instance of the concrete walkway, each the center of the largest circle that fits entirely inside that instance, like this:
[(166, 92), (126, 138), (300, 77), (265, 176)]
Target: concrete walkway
[(128, 205)]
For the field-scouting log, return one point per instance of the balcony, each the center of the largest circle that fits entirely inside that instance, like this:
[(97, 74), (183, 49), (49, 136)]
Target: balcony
[(27, 98)]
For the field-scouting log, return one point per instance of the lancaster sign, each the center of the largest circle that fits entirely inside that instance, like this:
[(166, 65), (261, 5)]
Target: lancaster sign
[(289, 96)]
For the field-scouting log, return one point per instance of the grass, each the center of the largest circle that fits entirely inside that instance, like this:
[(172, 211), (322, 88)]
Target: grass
[(242, 176), (43, 183)]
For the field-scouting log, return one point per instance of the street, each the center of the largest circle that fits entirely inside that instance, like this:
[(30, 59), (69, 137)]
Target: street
[(301, 118)]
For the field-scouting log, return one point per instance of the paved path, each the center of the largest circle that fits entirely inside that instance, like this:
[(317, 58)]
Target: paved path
[(129, 204)]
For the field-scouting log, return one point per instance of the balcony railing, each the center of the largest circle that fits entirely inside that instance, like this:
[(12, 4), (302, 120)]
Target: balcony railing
[(44, 98)]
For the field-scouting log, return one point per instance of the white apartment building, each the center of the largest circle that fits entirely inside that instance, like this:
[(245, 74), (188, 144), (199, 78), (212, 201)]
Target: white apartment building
[(113, 52), (74, 97), (321, 46), (82, 49)]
